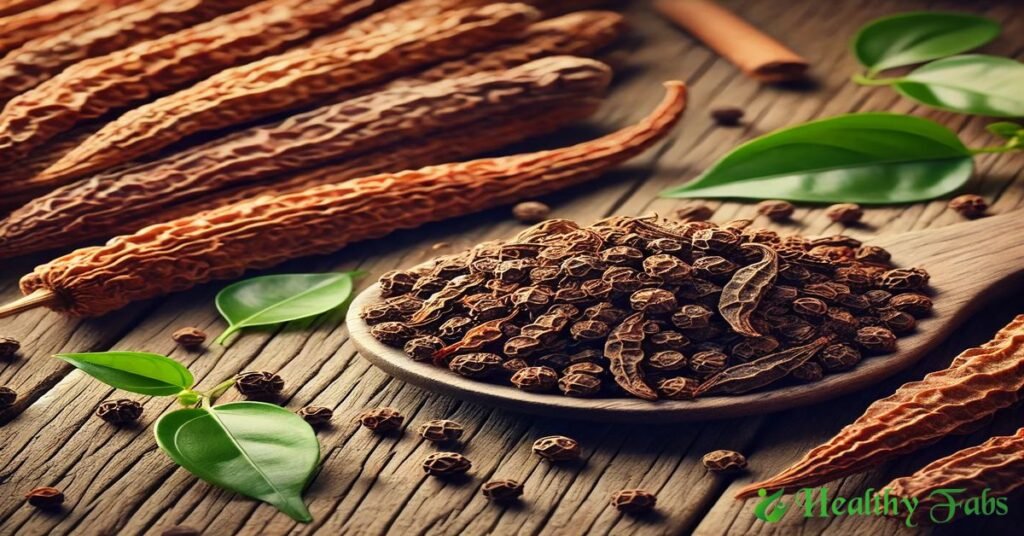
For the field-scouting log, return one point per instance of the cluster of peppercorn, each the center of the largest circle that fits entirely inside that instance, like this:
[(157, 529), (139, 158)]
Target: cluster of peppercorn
[(548, 309)]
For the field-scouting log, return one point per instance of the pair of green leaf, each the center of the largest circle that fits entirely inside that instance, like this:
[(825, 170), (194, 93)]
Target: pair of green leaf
[(973, 84), (274, 299), (253, 448), (871, 158)]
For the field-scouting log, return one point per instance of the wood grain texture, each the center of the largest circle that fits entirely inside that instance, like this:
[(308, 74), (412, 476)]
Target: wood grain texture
[(118, 482)]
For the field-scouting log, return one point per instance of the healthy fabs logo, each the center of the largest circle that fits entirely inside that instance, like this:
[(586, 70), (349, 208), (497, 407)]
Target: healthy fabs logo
[(946, 505)]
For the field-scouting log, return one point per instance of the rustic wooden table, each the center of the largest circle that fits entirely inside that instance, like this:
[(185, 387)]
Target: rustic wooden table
[(117, 481)]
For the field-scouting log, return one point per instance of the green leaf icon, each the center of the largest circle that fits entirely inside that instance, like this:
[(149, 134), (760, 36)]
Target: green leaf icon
[(770, 508), (138, 372), (274, 299), (870, 158), (259, 450)]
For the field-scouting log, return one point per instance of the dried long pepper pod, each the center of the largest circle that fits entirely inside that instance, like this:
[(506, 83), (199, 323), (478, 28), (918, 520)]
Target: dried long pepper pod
[(582, 33), (10, 7), (226, 242), (452, 145), (996, 465), (291, 80), (49, 19), (96, 206), (93, 87), (980, 381), (41, 58)]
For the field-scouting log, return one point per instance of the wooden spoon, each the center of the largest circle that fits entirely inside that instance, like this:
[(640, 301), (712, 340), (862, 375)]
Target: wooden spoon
[(970, 264)]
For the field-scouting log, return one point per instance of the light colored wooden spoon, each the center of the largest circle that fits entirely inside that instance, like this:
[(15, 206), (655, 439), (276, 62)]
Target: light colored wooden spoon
[(970, 263)]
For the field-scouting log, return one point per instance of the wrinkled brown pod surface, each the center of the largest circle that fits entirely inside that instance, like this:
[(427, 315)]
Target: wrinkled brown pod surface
[(226, 242), (41, 58), (92, 87), (86, 209), (48, 19), (996, 465), (291, 80), (10, 7), (979, 382)]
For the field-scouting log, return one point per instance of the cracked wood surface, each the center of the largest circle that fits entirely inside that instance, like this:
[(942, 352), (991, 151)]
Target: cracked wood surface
[(117, 481)]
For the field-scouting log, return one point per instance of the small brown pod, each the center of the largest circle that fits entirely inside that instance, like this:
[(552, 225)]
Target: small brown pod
[(477, 365), (502, 490), (678, 388), (535, 379), (446, 464), (259, 385), (441, 431), (381, 420), (969, 205), (190, 338), (845, 213), (724, 461), (776, 210), (45, 498), (531, 212), (119, 412), (634, 501), (316, 415), (557, 448), (578, 384)]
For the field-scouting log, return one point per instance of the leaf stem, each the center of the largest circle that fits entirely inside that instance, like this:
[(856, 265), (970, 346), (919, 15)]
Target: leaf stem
[(219, 389), (225, 335), (871, 81)]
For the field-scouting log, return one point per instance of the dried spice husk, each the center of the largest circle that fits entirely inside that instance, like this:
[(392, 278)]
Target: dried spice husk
[(292, 80), (624, 351), (742, 294), (11, 7), (224, 243), (43, 57), (995, 466), (95, 86), (761, 371), (979, 382), (49, 19), (84, 210)]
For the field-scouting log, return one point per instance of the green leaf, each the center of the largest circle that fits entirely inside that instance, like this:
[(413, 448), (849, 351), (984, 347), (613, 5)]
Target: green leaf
[(910, 38), (259, 450), (871, 158), (970, 84), (1005, 129), (273, 299), (138, 372)]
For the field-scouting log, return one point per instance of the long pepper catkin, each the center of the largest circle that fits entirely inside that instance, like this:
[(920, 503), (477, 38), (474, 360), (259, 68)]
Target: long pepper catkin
[(451, 145), (291, 80), (980, 382), (226, 242), (996, 465), (49, 19), (95, 86), (582, 33), (10, 7), (96, 206), (40, 59)]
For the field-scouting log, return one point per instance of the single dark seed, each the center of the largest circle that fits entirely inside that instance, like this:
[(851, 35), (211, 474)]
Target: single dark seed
[(728, 116)]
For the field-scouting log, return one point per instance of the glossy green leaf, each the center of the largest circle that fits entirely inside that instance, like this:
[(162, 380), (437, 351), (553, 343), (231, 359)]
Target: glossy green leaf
[(872, 158), (1005, 129), (256, 449), (910, 38), (273, 299), (138, 372), (970, 84)]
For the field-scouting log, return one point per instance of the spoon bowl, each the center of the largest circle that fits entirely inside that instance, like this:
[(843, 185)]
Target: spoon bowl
[(970, 264)]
